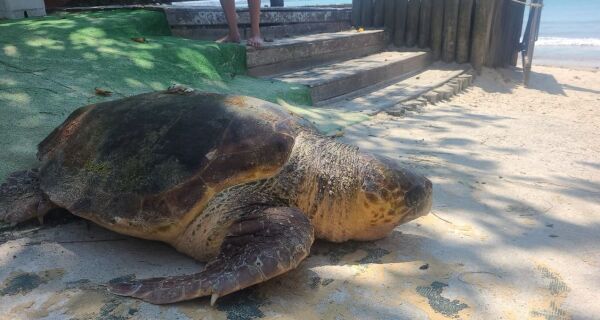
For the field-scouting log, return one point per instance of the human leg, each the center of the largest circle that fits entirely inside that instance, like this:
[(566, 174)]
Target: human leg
[(231, 16), (255, 38)]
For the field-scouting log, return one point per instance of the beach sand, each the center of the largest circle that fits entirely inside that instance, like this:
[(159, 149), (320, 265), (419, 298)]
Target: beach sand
[(517, 189), (514, 232)]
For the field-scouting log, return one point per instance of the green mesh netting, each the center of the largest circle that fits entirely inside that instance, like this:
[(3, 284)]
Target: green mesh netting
[(51, 66)]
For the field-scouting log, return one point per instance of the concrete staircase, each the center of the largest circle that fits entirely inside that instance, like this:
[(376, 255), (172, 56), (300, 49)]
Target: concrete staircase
[(316, 47), (291, 54), (350, 70), (336, 79)]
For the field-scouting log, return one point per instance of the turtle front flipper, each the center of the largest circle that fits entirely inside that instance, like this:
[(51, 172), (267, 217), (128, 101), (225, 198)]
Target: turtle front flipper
[(21, 198), (257, 248)]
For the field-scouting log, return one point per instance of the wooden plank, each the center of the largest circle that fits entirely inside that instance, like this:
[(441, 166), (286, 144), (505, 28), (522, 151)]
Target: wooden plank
[(400, 24), (437, 27), (389, 17), (356, 13), (367, 13), (412, 22), (450, 26), (378, 13), (463, 38), (425, 23), (482, 26)]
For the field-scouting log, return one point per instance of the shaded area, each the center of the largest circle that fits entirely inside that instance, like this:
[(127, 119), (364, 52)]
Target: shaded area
[(515, 186), (512, 78)]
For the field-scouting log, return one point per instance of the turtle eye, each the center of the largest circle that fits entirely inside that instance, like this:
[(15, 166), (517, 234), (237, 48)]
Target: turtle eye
[(414, 196)]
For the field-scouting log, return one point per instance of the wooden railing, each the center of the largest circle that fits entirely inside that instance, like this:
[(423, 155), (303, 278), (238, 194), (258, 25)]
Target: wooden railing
[(482, 32)]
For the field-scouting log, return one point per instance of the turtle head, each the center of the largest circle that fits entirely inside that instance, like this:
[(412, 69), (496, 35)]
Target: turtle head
[(390, 195), (349, 194)]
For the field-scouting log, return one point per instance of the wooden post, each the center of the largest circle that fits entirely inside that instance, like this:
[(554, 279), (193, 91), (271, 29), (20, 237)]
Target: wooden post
[(425, 24), (516, 23), (437, 25), (482, 25), (463, 38), (412, 22), (450, 25), (378, 14), (367, 13), (507, 29), (389, 16), (400, 25), (356, 13), (531, 34), (494, 52)]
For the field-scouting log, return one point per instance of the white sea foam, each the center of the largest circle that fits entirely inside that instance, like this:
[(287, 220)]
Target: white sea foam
[(570, 42)]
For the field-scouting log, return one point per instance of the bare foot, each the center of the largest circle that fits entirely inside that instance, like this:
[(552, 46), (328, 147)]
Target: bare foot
[(255, 41), (229, 39)]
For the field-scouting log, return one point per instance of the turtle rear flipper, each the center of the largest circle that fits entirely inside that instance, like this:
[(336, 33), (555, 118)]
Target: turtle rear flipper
[(257, 248), (21, 198)]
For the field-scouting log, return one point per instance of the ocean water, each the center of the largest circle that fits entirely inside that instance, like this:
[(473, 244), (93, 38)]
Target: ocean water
[(569, 30), (569, 34)]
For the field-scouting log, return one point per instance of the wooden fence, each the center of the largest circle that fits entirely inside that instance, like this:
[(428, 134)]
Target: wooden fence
[(482, 32)]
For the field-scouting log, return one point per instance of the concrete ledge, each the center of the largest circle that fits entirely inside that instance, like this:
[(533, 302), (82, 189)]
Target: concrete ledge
[(272, 32), (206, 16), (18, 9), (108, 8)]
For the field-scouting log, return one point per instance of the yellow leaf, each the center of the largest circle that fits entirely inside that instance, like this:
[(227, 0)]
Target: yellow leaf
[(103, 92)]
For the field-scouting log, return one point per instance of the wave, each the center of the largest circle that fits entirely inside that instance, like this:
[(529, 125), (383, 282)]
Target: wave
[(568, 42)]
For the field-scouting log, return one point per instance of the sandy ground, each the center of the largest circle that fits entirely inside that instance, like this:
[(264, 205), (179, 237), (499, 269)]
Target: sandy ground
[(514, 233)]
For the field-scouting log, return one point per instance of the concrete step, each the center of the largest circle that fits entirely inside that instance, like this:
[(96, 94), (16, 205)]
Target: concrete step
[(449, 89), (336, 79), (374, 99), (290, 54)]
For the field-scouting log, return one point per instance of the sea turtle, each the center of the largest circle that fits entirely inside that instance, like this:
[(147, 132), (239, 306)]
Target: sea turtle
[(231, 180)]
